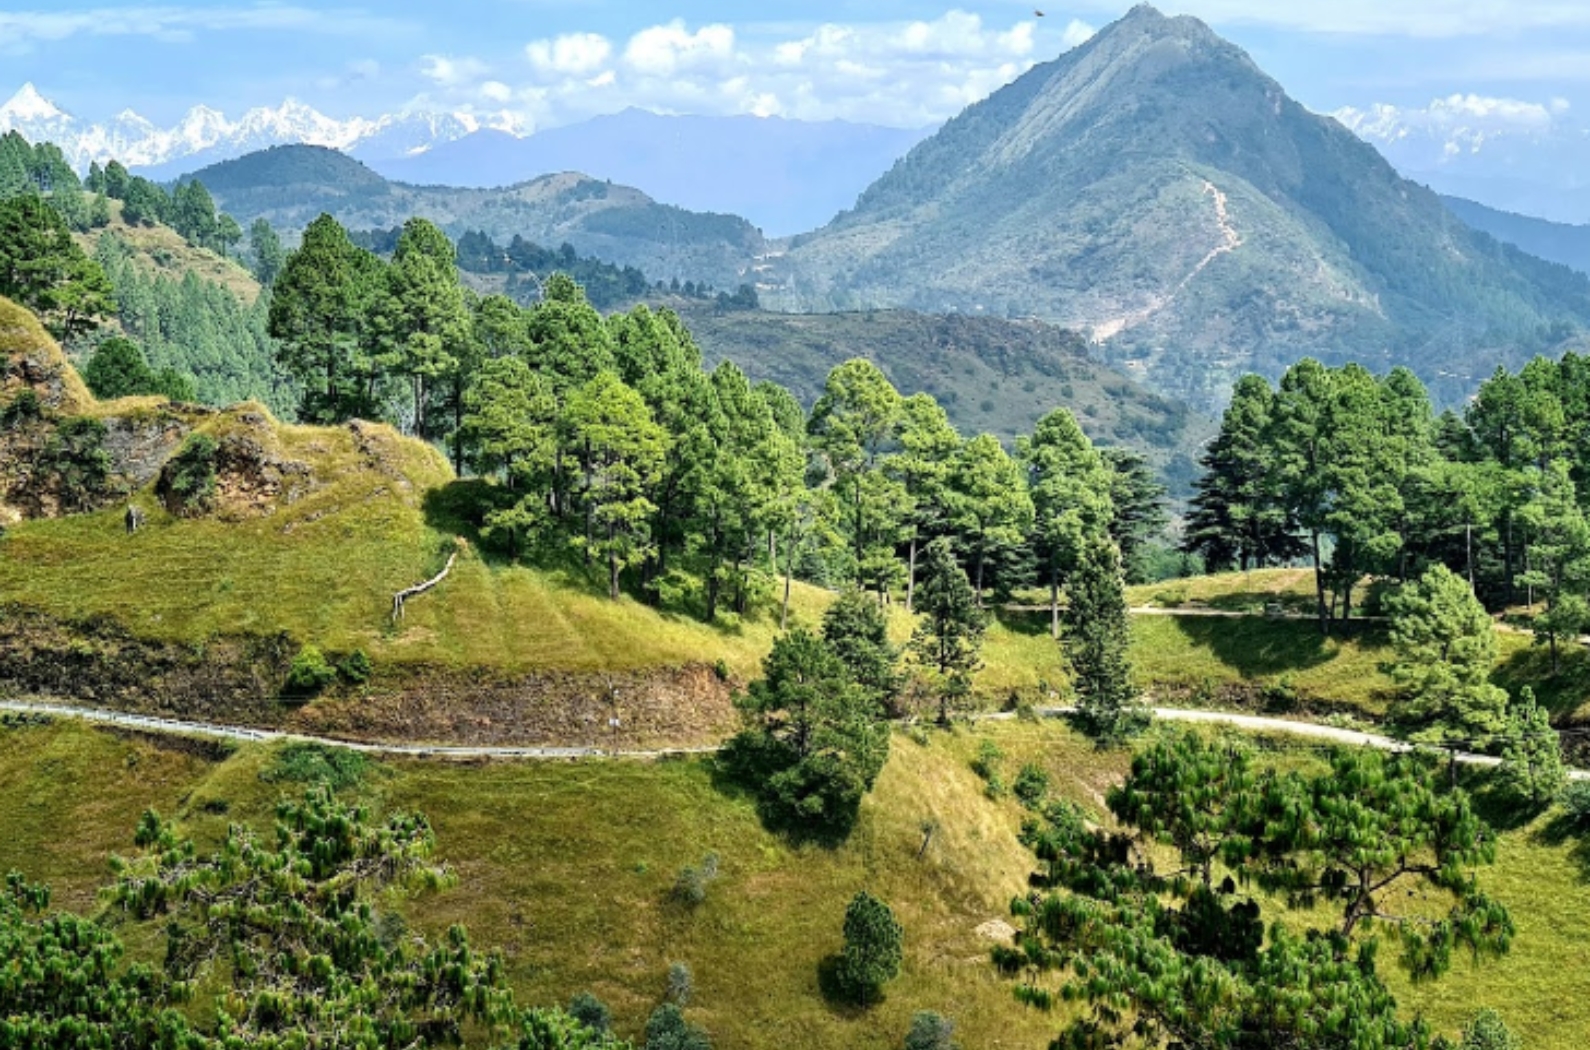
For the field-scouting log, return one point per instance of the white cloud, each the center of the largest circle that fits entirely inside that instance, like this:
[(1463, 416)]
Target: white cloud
[(1456, 117), (448, 71), (902, 73), (496, 91), (1077, 33), (573, 54), (667, 49)]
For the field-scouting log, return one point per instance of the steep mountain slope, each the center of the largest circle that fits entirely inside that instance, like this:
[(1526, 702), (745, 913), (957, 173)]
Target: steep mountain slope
[(1559, 242), (291, 185), (990, 375), (786, 176), (1156, 188)]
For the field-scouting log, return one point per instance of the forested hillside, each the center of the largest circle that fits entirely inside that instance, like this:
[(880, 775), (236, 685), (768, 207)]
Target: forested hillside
[(989, 374)]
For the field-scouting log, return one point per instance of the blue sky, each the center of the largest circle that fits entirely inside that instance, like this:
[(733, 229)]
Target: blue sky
[(904, 62)]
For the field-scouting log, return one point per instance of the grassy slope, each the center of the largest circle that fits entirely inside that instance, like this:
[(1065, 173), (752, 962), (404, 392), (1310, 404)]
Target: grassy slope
[(566, 867), (161, 251), (1195, 655)]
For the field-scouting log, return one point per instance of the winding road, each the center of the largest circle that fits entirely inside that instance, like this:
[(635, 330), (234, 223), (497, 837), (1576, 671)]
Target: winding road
[(245, 734)]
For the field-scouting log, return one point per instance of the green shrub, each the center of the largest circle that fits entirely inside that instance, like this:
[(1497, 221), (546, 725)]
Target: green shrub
[(1031, 786), (22, 409), (335, 767), (986, 764), (1487, 1032), (355, 668), (591, 1012), (187, 481), (931, 1031), (310, 672), (681, 984), (74, 457), (690, 888), (1576, 800)]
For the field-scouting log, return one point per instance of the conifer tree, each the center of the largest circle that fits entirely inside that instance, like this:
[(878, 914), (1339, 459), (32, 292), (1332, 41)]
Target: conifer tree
[(1532, 767), (1071, 499), (948, 639), (620, 450), (857, 631), (1096, 640), (991, 510), (873, 947), (1445, 648)]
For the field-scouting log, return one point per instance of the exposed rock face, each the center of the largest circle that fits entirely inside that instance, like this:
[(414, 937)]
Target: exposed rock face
[(252, 476)]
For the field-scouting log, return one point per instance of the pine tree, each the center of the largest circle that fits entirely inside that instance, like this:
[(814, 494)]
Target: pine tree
[(857, 631), (948, 639), (266, 257), (1445, 648), (1236, 520), (1558, 552), (422, 319), (1532, 767), (857, 416), (991, 510), (928, 449), (873, 947), (315, 313), (620, 451), (1071, 499), (1096, 639)]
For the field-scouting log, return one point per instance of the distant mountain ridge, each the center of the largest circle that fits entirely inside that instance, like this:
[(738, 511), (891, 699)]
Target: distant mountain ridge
[(786, 176), (290, 185), (1559, 242), (1154, 187)]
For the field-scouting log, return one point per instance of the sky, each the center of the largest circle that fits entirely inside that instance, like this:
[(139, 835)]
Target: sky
[(896, 62)]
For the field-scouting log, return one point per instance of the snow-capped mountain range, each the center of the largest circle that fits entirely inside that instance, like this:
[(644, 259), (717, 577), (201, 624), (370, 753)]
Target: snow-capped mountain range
[(1521, 156), (205, 135)]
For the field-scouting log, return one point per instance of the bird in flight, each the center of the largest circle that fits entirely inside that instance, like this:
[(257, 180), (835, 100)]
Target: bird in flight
[(1039, 14)]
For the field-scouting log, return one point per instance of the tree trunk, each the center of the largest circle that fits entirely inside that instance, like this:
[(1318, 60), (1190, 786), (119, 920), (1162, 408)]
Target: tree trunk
[(910, 573), (1054, 601), (1319, 585), (612, 562), (789, 571)]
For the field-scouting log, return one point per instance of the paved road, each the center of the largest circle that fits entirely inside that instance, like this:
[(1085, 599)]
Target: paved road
[(148, 723)]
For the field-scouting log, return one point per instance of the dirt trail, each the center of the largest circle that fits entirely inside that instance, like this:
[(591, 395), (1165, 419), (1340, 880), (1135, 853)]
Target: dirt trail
[(1230, 241), (148, 724)]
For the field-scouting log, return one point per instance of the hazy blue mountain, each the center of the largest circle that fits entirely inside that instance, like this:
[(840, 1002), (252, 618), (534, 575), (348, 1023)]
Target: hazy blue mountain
[(1558, 241), (785, 176)]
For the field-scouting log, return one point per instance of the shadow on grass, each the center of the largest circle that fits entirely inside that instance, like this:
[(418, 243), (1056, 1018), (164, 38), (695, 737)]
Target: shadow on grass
[(1563, 829), (1562, 693), (841, 1001), (460, 508), (1500, 809), (1257, 647), (1030, 623)]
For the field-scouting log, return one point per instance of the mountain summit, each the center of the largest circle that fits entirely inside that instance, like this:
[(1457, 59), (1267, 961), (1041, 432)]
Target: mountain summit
[(1155, 187)]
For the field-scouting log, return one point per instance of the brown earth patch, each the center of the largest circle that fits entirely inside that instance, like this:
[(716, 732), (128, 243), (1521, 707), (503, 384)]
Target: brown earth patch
[(653, 709)]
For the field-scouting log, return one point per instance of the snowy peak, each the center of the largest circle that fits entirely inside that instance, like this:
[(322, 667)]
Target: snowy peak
[(28, 105), (205, 135)]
